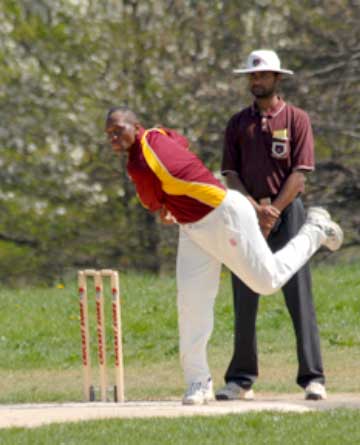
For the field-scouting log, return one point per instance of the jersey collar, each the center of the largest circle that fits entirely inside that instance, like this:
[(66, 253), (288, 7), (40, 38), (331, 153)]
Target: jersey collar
[(270, 112)]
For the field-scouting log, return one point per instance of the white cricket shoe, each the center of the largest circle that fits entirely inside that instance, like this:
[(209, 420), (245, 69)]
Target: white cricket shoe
[(315, 391), (334, 236), (233, 391), (198, 393)]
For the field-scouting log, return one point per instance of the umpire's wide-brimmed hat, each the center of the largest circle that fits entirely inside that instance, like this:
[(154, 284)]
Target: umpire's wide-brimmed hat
[(263, 60)]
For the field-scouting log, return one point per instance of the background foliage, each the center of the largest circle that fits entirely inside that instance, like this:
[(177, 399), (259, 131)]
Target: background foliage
[(64, 201)]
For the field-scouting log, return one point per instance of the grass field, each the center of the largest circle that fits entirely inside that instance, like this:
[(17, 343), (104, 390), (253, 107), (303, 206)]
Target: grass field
[(338, 427), (40, 357)]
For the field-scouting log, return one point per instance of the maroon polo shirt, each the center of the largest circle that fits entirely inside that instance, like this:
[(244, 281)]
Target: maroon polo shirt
[(264, 149)]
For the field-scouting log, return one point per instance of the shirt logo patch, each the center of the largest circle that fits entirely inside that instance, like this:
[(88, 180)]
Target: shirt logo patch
[(279, 149)]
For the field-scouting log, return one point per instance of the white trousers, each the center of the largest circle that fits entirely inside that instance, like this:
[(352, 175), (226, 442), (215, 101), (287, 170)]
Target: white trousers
[(228, 235)]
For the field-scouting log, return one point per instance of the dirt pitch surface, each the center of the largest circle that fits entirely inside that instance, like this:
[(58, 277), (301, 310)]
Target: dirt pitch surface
[(34, 415)]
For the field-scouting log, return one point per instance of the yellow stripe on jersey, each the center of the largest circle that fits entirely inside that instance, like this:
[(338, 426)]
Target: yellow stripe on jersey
[(209, 194)]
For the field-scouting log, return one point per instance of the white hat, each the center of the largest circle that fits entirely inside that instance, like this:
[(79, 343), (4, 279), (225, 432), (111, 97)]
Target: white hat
[(263, 60)]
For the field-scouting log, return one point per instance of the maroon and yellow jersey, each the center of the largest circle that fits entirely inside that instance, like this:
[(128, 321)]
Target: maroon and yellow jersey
[(167, 174)]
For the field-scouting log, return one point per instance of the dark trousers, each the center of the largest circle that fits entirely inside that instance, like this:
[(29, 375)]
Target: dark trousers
[(243, 368)]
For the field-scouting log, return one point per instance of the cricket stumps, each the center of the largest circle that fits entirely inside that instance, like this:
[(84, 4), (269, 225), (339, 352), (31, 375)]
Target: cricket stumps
[(98, 278)]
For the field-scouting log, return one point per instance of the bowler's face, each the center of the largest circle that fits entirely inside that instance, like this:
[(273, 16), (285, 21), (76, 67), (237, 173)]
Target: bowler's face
[(120, 132)]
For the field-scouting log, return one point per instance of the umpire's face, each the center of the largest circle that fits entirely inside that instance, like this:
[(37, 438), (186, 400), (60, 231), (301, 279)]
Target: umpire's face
[(121, 133), (263, 84)]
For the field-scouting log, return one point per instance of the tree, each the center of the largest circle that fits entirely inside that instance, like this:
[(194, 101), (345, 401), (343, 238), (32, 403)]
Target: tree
[(65, 201)]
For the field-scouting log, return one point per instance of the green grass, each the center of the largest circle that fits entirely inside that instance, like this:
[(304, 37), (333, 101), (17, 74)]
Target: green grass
[(40, 338), (40, 361), (330, 428)]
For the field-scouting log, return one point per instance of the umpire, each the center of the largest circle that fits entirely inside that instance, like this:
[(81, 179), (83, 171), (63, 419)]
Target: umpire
[(268, 149)]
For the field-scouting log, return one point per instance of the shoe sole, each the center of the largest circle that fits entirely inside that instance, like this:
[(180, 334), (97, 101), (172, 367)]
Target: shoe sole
[(188, 402), (314, 397), (194, 402), (225, 397), (335, 244)]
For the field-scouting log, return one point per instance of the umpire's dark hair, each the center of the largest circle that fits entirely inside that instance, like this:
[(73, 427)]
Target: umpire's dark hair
[(129, 114)]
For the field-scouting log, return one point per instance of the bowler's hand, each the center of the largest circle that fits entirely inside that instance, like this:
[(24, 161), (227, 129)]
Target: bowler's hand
[(166, 217)]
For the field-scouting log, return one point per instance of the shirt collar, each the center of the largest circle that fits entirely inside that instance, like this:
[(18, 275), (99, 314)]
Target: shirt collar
[(136, 147), (140, 134), (271, 112)]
